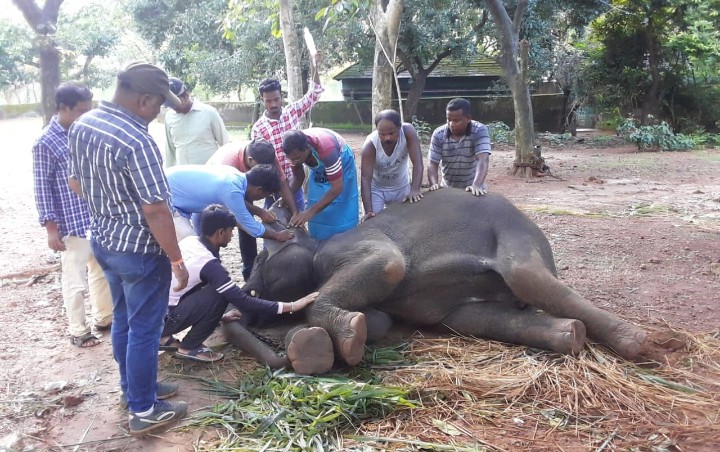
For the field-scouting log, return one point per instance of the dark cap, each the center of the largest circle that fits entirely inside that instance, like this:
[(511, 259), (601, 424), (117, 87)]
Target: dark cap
[(146, 78), (177, 86)]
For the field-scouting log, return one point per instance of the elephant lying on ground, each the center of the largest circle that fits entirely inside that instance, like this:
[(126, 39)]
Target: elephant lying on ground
[(468, 264)]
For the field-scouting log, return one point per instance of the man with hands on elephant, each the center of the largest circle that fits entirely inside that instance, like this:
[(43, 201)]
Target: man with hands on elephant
[(201, 304), (461, 150), (384, 171)]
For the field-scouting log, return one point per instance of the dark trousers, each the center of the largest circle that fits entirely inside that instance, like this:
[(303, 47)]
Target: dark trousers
[(248, 252), (201, 310)]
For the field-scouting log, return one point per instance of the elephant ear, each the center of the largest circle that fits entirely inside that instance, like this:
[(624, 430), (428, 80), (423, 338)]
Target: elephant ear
[(301, 238)]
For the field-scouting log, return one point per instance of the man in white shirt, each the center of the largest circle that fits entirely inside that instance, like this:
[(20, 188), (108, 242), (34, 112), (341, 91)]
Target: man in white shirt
[(194, 130)]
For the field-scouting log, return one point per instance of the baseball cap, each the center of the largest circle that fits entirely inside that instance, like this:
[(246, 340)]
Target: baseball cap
[(147, 78)]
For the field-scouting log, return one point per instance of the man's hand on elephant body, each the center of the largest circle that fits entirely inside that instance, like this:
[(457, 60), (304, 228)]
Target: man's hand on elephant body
[(367, 216), (267, 216), (231, 316), (414, 196), (284, 235), (477, 191), (300, 219), (299, 305)]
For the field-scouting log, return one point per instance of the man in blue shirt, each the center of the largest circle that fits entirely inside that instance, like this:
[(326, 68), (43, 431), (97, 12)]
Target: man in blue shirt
[(66, 218), (195, 187)]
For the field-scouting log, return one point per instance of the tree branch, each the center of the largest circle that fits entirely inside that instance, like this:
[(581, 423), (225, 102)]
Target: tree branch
[(518, 16)]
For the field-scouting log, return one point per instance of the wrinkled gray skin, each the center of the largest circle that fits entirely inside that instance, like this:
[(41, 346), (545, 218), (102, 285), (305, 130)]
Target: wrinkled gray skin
[(471, 265)]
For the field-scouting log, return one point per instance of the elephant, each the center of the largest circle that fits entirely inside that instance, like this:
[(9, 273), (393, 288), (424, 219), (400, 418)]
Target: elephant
[(468, 265)]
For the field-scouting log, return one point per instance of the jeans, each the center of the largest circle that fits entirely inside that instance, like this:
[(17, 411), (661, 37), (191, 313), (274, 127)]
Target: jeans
[(139, 285), (248, 252)]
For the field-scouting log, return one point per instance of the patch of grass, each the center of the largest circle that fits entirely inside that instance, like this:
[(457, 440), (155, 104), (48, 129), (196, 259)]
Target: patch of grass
[(558, 211), (647, 210)]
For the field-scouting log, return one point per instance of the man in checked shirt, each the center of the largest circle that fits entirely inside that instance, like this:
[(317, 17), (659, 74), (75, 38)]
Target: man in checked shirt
[(276, 120), (66, 219)]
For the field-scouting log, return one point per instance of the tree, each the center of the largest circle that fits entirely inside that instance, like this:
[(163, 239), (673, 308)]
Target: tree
[(291, 45), (17, 65), (386, 25), (44, 23)]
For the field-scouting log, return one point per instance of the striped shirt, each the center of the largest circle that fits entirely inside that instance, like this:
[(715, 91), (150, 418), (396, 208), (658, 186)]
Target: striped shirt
[(328, 145), (458, 159), (119, 168), (273, 129), (54, 199)]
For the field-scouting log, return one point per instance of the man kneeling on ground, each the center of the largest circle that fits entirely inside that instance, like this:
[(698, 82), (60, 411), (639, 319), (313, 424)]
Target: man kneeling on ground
[(202, 304)]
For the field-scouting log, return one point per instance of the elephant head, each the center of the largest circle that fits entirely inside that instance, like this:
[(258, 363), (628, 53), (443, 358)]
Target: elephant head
[(283, 271)]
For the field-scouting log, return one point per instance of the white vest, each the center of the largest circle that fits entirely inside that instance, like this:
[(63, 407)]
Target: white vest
[(391, 171), (195, 255)]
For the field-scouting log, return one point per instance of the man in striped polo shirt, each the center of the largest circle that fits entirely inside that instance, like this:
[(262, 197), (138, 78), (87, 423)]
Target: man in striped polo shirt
[(461, 150), (117, 166)]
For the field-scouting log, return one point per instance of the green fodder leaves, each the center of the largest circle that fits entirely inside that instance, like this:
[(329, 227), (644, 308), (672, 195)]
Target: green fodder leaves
[(284, 410)]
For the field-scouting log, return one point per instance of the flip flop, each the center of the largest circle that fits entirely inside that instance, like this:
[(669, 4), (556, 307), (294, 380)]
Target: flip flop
[(80, 341), (171, 345), (195, 355)]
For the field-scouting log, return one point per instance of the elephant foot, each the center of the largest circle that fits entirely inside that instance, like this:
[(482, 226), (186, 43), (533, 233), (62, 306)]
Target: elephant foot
[(628, 341), (569, 337), (310, 351), (352, 345)]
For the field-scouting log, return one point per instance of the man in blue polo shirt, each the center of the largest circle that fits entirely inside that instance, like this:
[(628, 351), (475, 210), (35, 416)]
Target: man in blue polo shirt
[(195, 187), (461, 149)]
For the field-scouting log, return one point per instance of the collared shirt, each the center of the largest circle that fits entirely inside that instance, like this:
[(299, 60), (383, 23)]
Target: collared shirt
[(193, 137), (119, 168), (54, 199), (458, 159), (195, 187), (273, 129)]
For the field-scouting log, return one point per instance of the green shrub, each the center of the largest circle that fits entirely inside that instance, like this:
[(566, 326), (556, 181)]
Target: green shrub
[(654, 137), (500, 133), (423, 129)]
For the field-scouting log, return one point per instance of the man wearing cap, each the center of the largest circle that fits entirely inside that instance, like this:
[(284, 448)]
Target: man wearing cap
[(117, 167), (194, 130)]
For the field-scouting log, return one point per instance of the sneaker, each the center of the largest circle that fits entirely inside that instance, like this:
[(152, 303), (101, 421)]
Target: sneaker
[(165, 390), (163, 413)]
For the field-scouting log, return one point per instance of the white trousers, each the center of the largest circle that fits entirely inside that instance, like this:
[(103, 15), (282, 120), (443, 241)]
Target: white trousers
[(80, 269)]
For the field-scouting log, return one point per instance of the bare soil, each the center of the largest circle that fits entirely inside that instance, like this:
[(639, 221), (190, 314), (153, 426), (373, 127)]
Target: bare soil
[(637, 234)]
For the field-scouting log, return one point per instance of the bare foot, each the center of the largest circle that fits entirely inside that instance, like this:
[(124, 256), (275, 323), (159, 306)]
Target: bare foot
[(310, 351), (352, 346)]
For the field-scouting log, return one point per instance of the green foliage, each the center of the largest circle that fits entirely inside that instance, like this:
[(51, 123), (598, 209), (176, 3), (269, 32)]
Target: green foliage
[(654, 137), (423, 129), (500, 133), (556, 139), (281, 410), (18, 61)]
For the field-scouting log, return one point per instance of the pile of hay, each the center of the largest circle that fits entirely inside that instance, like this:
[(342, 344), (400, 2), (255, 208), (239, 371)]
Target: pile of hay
[(466, 394), (489, 395)]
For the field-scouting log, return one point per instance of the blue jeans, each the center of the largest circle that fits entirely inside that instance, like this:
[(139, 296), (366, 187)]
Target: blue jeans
[(139, 285)]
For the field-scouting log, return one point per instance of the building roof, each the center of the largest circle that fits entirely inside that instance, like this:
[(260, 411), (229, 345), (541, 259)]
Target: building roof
[(480, 67)]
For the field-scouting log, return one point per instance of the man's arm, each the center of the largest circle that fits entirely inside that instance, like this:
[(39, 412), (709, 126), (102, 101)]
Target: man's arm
[(264, 215), (170, 157), (413, 144), (287, 196), (298, 178), (219, 130), (434, 157), (482, 154), (160, 221), (43, 174), (367, 168), (336, 187)]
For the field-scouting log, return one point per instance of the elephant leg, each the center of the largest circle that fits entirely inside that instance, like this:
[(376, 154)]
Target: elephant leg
[(352, 289), (243, 339), (531, 281), (503, 322), (310, 350), (378, 324)]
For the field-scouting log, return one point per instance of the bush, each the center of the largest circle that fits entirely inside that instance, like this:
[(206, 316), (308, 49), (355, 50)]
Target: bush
[(423, 129), (654, 137), (500, 133)]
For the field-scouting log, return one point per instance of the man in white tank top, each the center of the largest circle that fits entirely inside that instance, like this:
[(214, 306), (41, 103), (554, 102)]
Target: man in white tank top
[(384, 171)]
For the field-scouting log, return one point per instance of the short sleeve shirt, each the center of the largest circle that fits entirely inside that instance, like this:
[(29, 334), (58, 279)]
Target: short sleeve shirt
[(233, 154), (458, 158), (328, 145)]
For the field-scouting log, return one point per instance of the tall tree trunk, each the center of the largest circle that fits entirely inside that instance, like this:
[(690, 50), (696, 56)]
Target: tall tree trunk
[(291, 43), (44, 24), (513, 60), (415, 93), (651, 100), (386, 22)]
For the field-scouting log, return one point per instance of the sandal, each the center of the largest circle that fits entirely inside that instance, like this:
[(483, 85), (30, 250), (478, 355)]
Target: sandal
[(87, 340), (197, 355), (170, 345)]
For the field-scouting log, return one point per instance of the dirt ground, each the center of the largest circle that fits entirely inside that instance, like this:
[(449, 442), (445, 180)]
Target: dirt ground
[(637, 234)]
